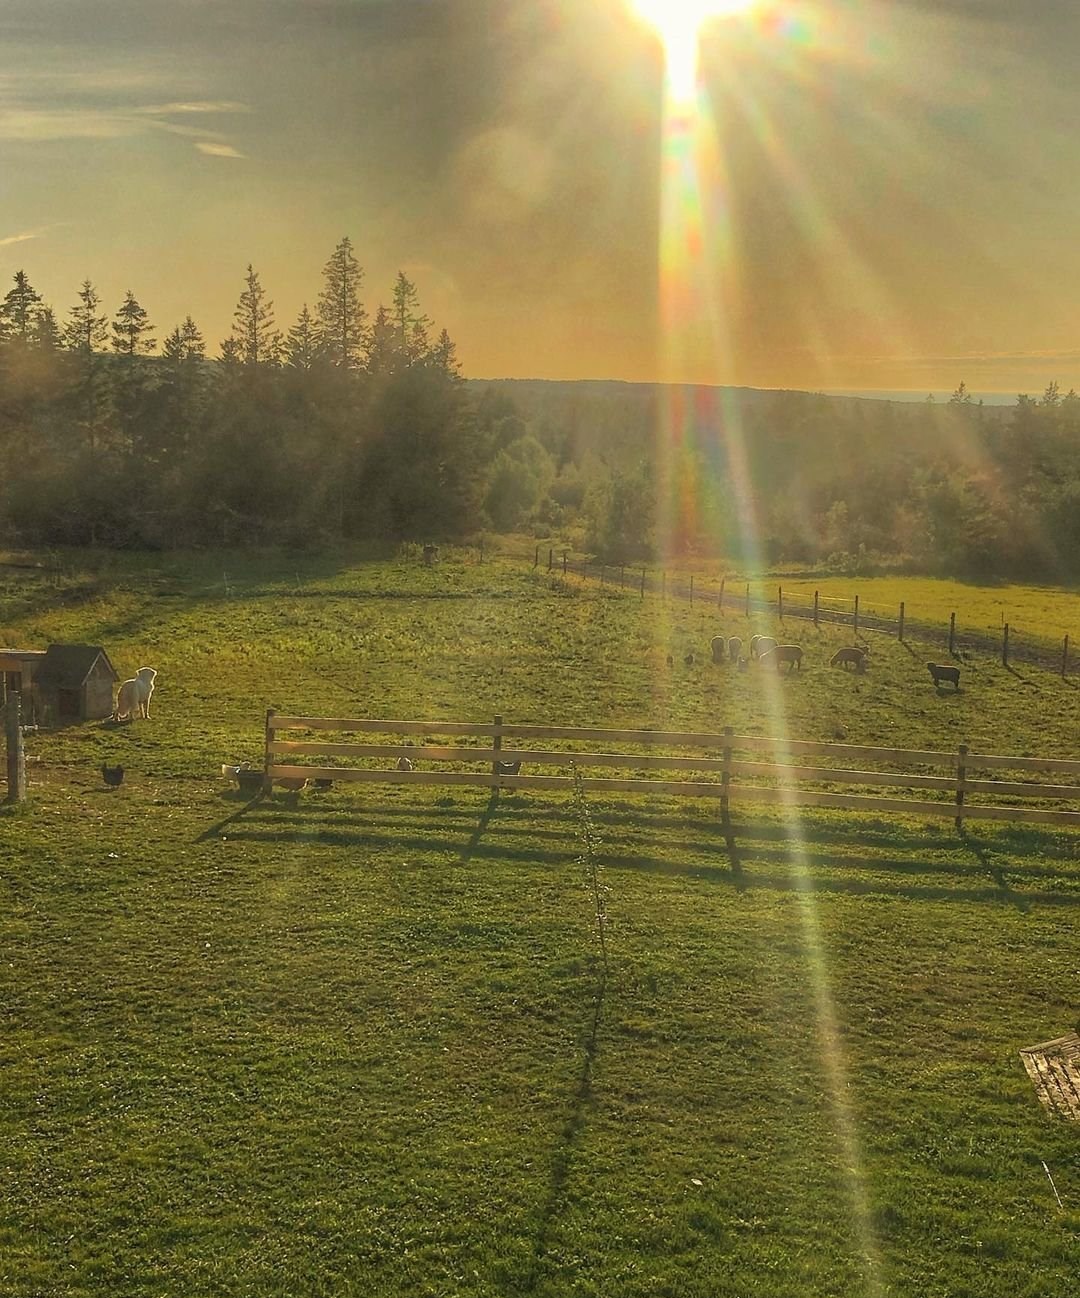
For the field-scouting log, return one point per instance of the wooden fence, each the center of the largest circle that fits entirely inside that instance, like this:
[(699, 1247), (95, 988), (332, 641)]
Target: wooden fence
[(723, 766)]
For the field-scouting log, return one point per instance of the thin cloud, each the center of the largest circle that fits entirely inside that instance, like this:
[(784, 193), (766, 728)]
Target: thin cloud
[(216, 150), (20, 238), (184, 107)]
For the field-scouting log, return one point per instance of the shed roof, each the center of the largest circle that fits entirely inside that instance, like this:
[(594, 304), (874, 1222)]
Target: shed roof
[(68, 665)]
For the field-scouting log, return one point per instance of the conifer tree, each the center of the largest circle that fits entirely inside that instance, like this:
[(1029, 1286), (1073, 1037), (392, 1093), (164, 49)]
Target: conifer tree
[(303, 347), (410, 323), (86, 329), (133, 334), (255, 340), (340, 312), (19, 309)]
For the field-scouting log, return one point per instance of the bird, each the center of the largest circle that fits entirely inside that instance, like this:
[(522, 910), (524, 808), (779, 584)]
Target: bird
[(112, 775)]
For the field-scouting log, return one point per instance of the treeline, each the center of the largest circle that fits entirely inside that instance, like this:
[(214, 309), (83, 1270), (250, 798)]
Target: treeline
[(359, 425), (344, 425)]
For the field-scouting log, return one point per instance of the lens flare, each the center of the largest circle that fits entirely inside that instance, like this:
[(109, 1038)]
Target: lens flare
[(679, 23)]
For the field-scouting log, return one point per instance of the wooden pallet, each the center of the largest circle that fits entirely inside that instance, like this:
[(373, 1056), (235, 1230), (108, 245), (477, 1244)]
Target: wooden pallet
[(1054, 1067)]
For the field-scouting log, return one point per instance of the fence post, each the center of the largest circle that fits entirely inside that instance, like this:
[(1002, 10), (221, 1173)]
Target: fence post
[(602, 568), (961, 776), (747, 599), (663, 584), (691, 590), (564, 563), (720, 597), (551, 557), (1065, 656), (1005, 646), (900, 633), (643, 583), (816, 593), (952, 632), (536, 558), (496, 743), (268, 757), (725, 790), (856, 629), (780, 602), (481, 552), (16, 756), (584, 569)]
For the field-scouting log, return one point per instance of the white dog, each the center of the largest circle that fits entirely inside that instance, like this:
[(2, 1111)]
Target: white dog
[(133, 697)]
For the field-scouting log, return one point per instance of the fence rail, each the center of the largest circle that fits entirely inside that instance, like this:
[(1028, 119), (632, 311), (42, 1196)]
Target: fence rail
[(780, 781)]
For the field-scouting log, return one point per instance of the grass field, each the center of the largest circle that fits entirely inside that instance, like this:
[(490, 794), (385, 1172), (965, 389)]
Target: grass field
[(361, 1042)]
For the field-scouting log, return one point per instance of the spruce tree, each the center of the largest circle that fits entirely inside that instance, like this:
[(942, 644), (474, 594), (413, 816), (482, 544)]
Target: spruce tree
[(303, 347), (255, 339), (341, 314), (19, 309), (133, 334), (86, 329)]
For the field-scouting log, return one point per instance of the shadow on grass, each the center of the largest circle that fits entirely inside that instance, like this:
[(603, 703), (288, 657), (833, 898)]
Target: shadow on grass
[(764, 859), (215, 830)]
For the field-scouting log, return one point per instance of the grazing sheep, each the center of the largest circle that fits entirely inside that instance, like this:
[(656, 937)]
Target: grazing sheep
[(133, 696), (734, 646), (764, 644), (850, 655), (404, 764), (754, 641), (941, 673), (718, 648), (783, 653)]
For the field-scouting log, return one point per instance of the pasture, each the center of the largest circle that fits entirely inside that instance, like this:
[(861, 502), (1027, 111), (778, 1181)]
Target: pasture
[(363, 1042)]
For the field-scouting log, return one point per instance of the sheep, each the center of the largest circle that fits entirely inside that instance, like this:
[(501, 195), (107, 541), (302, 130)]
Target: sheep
[(133, 696), (404, 764), (854, 655), (764, 644), (734, 646), (941, 673), (718, 648), (783, 653), (754, 641)]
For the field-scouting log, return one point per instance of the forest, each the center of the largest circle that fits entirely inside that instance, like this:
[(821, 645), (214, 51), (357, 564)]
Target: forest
[(361, 425)]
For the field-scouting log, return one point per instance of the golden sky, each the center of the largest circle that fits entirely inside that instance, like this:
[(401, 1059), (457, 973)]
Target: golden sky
[(870, 195)]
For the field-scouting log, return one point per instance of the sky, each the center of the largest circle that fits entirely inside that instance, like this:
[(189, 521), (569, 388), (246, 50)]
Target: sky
[(859, 195)]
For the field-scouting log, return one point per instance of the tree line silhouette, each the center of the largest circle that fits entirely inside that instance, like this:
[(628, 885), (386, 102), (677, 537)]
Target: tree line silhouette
[(355, 426)]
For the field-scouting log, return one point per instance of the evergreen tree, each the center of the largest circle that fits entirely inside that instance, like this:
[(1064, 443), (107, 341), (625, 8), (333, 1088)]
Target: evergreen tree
[(133, 334), (20, 309), (254, 340), (86, 329), (383, 352), (410, 323), (46, 332), (340, 312), (304, 346)]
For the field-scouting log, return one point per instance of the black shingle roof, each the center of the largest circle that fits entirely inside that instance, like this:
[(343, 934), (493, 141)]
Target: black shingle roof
[(68, 665)]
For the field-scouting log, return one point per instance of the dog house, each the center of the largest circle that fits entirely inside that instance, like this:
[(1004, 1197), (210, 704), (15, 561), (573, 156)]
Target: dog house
[(17, 675), (73, 682)]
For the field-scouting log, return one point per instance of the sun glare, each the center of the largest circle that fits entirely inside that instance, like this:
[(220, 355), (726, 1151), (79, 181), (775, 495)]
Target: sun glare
[(679, 24)]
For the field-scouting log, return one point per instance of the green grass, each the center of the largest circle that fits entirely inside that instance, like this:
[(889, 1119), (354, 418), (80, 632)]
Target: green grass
[(345, 1044)]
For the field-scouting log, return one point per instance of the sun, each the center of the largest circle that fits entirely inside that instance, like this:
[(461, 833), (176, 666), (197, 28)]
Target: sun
[(679, 23)]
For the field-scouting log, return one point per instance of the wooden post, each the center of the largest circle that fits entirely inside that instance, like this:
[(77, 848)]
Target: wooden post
[(481, 552), (268, 757), (643, 583), (961, 777), (16, 757), (536, 558), (691, 590), (564, 563), (1005, 646), (1065, 656), (816, 597), (663, 584), (856, 631), (584, 569), (496, 743), (602, 567), (720, 601), (725, 790), (551, 557), (747, 599), (900, 631), (780, 602), (622, 577), (952, 632)]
